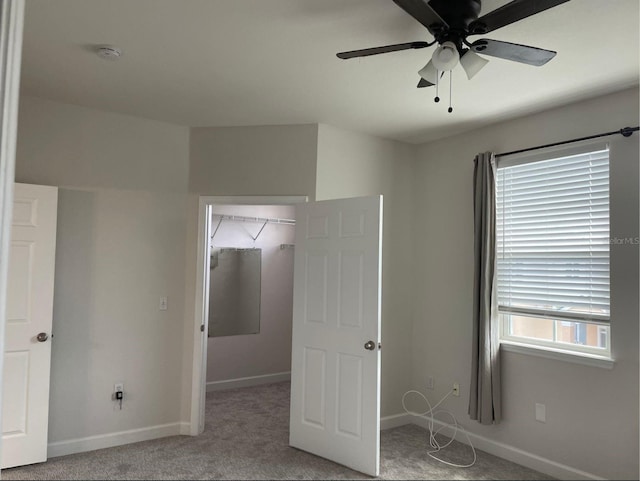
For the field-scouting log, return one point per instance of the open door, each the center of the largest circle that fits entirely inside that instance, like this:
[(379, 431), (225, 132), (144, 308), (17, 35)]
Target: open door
[(27, 356), (335, 368)]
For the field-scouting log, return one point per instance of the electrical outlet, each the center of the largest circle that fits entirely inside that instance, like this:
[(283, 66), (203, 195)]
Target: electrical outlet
[(541, 413), (118, 396), (430, 382), (456, 389), (163, 303)]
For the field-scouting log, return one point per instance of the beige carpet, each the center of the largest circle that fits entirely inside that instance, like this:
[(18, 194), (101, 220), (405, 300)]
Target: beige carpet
[(246, 437)]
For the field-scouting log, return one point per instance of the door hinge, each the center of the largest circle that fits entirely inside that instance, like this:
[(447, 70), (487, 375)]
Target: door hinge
[(202, 328)]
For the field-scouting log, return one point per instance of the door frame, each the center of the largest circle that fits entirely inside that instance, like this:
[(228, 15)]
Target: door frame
[(201, 318), (11, 27)]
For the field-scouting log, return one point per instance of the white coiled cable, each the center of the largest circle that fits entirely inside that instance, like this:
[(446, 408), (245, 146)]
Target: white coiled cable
[(429, 415)]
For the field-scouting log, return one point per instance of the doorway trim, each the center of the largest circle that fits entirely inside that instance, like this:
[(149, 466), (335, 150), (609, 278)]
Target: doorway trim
[(11, 28), (201, 319)]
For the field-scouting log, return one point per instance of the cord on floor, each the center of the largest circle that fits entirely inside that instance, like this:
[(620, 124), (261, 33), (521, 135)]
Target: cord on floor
[(429, 415)]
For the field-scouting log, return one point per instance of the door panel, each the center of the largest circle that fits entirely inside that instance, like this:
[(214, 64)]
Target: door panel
[(350, 290), (20, 277), (349, 415), (314, 402), (25, 386), (316, 283), (335, 381), (14, 401)]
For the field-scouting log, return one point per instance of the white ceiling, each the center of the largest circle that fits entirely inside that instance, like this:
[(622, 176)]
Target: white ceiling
[(265, 62)]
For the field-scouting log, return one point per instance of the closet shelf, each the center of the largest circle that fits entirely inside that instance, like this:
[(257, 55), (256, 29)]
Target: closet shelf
[(242, 218)]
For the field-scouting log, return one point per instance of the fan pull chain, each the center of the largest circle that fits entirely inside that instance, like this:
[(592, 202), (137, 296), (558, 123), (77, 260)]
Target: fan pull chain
[(450, 90), (437, 99)]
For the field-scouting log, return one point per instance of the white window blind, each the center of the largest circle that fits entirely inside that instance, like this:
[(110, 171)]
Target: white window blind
[(552, 233)]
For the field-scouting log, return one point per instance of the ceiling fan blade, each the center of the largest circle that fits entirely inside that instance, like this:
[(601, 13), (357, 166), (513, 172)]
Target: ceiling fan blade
[(378, 50), (423, 13), (510, 13), (472, 63), (513, 51), (424, 83)]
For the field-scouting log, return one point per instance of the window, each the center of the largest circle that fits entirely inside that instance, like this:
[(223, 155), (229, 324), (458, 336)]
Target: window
[(552, 249)]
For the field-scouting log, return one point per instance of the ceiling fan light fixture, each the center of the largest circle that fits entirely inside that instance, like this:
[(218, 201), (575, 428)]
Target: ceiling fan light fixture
[(445, 57), (429, 73), (472, 63)]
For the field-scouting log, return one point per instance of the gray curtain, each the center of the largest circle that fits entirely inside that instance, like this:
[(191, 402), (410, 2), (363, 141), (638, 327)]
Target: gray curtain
[(484, 397)]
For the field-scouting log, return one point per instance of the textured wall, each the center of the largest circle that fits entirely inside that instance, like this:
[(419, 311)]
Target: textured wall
[(592, 413), (352, 165), (241, 161), (120, 246)]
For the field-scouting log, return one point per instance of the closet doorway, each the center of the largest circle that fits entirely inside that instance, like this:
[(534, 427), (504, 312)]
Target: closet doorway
[(244, 294), (336, 326), (250, 295)]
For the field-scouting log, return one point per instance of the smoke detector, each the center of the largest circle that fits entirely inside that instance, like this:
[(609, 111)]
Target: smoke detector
[(109, 52)]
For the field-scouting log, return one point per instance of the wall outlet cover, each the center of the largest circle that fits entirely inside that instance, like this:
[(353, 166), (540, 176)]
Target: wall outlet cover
[(430, 382)]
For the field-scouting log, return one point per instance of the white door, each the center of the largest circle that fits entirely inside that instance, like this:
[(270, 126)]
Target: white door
[(335, 368), (27, 357)]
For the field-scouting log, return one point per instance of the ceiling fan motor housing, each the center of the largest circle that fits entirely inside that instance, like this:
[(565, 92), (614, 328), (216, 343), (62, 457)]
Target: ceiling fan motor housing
[(457, 14)]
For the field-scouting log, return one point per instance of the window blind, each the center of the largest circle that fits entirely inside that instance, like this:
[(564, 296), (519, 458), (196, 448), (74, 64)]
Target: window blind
[(552, 237)]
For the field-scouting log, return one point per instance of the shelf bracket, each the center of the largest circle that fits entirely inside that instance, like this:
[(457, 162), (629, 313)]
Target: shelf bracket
[(260, 231)]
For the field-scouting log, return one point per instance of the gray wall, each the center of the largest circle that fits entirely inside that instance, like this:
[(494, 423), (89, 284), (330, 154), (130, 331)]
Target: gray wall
[(270, 160), (250, 161), (120, 246), (127, 235), (350, 165), (592, 413), (322, 162)]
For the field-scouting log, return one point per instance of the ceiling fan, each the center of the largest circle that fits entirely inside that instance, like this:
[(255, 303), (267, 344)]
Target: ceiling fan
[(450, 22)]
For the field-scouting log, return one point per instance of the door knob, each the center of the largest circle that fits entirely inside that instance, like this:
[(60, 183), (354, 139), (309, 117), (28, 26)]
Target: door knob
[(42, 337), (370, 345)]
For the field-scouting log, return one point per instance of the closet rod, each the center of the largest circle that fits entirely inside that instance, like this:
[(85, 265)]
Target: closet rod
[(269, 220), (263, 220), (625, 132)]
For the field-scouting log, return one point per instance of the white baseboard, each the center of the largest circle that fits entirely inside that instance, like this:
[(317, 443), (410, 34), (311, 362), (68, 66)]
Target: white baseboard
[(394, 421), (248, 381), (185, 429), (510, 453), (504, 451), (91, 443)]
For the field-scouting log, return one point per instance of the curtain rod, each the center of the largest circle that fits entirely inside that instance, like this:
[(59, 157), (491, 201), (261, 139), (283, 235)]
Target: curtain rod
[(625, 132)]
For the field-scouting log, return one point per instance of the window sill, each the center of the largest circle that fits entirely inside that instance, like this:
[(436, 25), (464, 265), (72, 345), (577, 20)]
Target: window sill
[(558, 354)]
